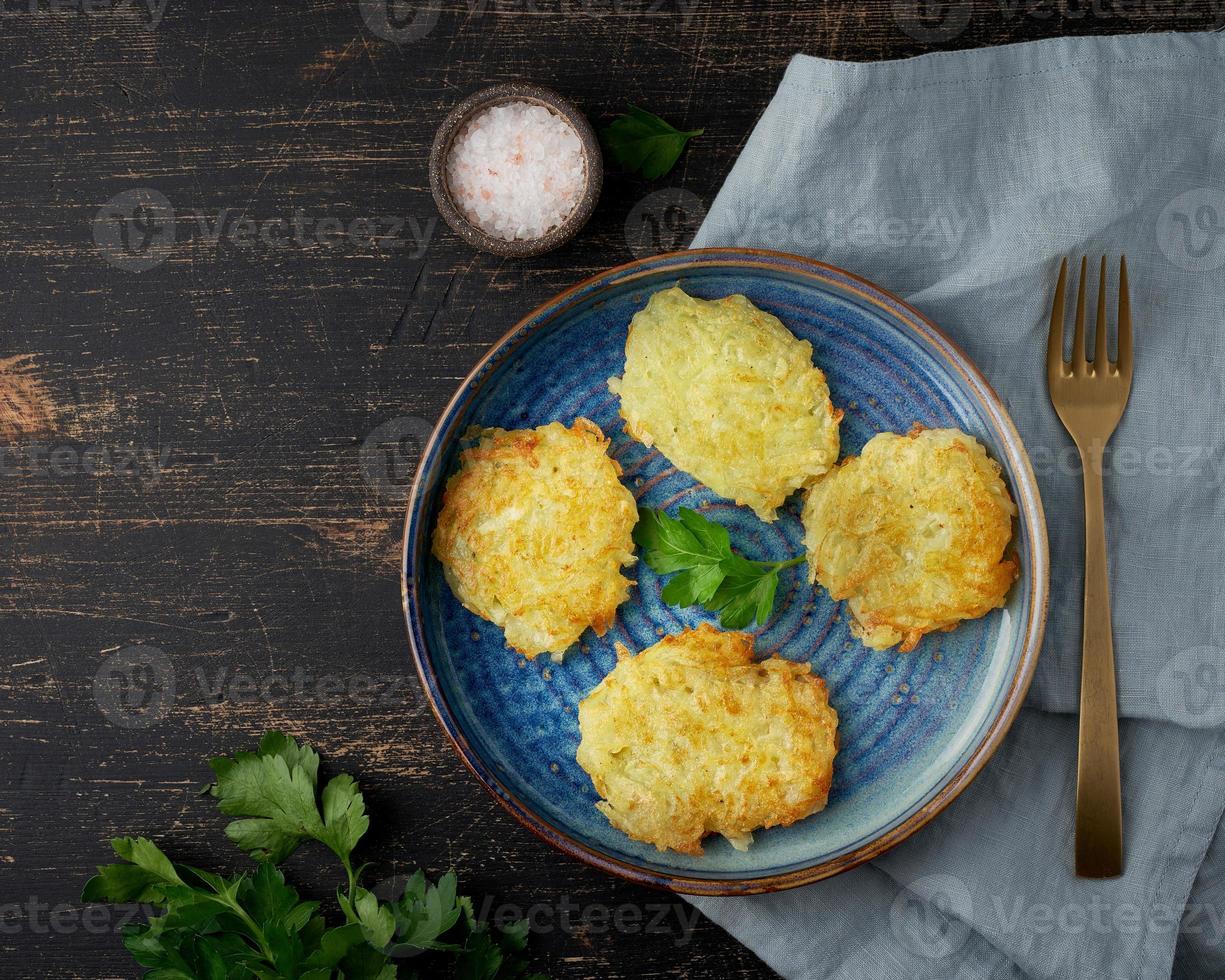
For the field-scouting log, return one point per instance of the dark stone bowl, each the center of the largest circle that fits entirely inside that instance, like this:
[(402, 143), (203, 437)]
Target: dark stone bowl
[(454, 215)]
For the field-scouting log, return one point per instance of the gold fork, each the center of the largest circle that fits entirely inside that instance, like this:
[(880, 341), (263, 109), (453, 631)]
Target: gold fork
[(1089, 397)]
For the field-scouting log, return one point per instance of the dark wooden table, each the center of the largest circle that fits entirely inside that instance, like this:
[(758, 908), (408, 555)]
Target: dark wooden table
[(206, 432)]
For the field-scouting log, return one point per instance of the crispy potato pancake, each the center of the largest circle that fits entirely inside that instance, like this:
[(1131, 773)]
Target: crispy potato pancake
[(729, 395), (693, 737), (534, 530), (912, 533)]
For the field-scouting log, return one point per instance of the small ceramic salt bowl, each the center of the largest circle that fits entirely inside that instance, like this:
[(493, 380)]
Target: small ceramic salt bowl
[(454, 214)]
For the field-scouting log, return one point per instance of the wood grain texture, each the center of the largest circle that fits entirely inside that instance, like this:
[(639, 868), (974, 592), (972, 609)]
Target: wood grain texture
[(207, 459)]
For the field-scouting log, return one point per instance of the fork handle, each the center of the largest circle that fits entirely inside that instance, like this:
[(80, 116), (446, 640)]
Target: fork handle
[(1099, 801)]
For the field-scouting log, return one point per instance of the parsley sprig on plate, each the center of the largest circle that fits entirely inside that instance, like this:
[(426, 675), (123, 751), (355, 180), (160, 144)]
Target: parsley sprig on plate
[(698, 553), (255, 925)]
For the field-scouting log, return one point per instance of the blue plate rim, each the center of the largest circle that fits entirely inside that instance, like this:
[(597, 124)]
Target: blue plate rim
[(1029, 504)]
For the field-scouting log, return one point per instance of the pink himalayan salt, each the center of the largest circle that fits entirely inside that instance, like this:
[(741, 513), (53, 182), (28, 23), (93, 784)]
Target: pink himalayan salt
[(516, 170)]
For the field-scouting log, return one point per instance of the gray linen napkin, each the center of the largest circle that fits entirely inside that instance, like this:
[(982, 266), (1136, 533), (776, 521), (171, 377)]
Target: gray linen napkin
[(958, 181)]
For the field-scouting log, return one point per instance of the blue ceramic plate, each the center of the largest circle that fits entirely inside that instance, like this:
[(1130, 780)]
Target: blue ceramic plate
[(915, 728)]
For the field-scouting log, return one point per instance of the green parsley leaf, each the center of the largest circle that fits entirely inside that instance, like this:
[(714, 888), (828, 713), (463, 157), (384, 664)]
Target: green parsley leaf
[(274, 790), (376, 919), (744, 597), (642, 142), (694, 586), (671, 545), (713, 536), (707, 571), (333, 945), (425, 913), (143, 880)]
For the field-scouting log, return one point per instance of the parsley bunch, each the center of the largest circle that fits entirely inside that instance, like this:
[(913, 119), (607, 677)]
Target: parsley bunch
[(255, 925), (709, 572)]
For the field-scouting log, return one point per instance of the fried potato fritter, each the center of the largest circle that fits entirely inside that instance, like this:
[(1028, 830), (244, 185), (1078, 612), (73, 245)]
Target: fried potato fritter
[(912, 533), (533, 532), (693, 737), (729, 395)]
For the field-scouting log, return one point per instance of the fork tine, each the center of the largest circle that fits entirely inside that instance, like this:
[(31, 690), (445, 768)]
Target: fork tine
[(1100, 359), (1054, 340), (1078, 334), (1123, 364)]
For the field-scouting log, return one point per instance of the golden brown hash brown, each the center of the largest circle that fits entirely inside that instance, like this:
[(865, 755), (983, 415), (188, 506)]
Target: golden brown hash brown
[(534, 531), (912, 533), (693, 737), (729, 395)]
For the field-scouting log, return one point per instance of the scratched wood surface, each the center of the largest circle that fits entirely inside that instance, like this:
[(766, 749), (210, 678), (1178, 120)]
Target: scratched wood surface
[(206, 434)]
